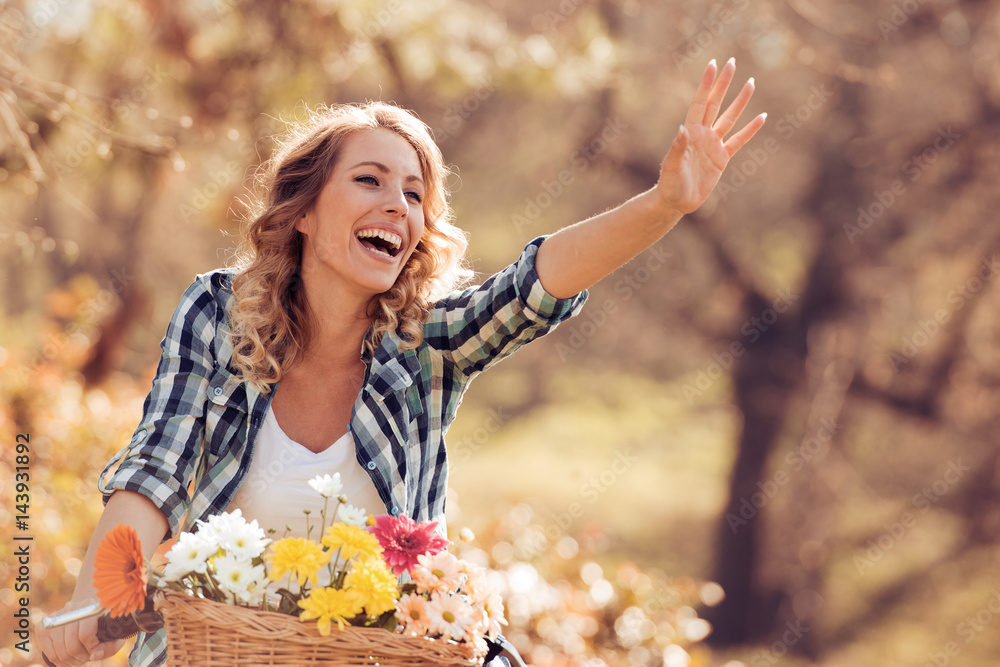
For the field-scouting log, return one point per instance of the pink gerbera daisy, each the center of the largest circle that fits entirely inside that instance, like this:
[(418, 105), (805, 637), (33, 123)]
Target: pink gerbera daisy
[(403, 540)]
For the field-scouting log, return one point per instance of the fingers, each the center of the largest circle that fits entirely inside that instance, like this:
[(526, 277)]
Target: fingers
[(45, 643), (696, 113), (64, 647), (675, 155), (737, 141), (710, 95), (725, 124), (87, 636), (106, 650), (60, 647), (719, 92)]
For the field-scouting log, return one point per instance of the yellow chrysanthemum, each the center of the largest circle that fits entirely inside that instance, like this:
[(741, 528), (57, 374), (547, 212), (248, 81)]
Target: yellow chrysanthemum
[(376, 585), (328, 605), (302, 557), (351, 541)]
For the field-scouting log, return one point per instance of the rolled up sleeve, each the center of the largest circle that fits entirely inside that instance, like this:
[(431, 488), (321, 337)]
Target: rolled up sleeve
[(482, 325)]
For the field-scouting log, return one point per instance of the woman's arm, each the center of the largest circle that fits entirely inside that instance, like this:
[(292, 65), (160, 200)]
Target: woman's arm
[(576, 257), (77, 643)]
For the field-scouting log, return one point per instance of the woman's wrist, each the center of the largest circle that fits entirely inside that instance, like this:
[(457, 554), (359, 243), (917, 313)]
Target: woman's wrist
[(660, 216)]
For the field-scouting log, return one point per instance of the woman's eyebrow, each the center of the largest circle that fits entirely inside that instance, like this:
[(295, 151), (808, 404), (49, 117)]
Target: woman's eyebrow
[(385, 170)]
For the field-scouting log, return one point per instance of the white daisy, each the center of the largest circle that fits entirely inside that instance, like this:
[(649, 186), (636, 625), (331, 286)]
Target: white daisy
[(450, 616), (237, 575), (411, 613), (476, 580), (246, 540), (256, 591), (355, 516), (490, 602), (220, 523), (441, 572), (189, 554), (326, 485)]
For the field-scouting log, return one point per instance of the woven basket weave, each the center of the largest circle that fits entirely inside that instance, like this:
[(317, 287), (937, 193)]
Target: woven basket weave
[(203, 633)]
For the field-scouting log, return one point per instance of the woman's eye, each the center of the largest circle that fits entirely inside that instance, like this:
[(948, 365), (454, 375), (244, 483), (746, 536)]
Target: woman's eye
[(370, 180), (415, 196)]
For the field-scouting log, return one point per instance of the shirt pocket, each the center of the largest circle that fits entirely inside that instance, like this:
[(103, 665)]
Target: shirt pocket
[(414, 402), (225, 412)]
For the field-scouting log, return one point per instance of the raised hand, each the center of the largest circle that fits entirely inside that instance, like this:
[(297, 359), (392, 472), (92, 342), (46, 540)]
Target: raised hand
[(700, 153), (576, 257)]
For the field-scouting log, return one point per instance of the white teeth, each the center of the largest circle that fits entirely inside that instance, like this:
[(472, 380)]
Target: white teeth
[(393, 239)]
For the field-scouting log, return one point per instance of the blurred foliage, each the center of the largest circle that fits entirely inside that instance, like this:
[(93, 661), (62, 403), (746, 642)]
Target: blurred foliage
[(72, 431), (813, 353), (565, 608)]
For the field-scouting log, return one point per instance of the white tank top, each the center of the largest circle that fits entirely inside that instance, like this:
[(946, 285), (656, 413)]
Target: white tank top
[(276, 488)]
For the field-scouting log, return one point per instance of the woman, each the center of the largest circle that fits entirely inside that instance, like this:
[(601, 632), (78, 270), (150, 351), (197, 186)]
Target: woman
[(342, 331)]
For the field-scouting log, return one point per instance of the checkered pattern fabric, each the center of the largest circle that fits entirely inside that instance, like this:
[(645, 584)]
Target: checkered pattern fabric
[(193, 447)]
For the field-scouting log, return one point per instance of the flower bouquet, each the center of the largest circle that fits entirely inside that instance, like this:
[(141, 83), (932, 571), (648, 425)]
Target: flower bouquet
[(229, 594)]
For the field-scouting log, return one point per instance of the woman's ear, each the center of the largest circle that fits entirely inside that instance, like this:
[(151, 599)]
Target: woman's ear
[(302, 223)]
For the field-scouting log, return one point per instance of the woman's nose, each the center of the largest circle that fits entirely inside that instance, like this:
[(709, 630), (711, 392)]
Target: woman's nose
[(395, 202)]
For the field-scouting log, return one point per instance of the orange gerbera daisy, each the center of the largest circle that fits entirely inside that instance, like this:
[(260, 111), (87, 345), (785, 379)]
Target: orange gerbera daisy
[(120, 571)]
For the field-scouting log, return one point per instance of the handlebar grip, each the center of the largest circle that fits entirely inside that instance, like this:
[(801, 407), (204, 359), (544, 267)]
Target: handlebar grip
[(111, 629)]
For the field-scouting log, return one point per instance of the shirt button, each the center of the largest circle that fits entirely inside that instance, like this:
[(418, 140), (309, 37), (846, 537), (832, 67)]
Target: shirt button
[(395, 511), (218, 391), (371, 465)]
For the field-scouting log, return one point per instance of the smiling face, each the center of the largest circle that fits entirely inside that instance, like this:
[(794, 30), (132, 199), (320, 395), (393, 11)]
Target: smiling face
[(367, 219)]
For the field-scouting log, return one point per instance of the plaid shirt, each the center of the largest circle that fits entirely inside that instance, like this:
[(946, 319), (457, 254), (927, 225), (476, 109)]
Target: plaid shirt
[(198, 416)]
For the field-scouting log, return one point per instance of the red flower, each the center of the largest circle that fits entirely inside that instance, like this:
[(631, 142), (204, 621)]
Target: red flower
[(120, 571), (403, 540)]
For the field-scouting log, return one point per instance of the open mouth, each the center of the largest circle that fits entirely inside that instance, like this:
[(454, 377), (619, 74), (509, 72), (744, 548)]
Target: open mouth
[(382, 242)]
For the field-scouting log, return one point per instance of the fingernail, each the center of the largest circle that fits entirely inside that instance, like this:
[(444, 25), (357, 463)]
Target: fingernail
[(97, 655), (764, 115), (750, 81), (731, 61), (711, 63)]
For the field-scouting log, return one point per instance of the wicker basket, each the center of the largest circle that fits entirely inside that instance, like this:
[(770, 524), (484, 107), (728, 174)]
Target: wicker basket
[(203, 633)]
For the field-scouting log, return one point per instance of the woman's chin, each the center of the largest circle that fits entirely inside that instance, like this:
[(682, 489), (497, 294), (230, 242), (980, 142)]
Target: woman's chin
[(378, 287)]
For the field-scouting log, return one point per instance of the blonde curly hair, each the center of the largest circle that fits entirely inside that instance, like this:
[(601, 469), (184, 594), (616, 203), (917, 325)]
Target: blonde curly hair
[(269, 323)]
